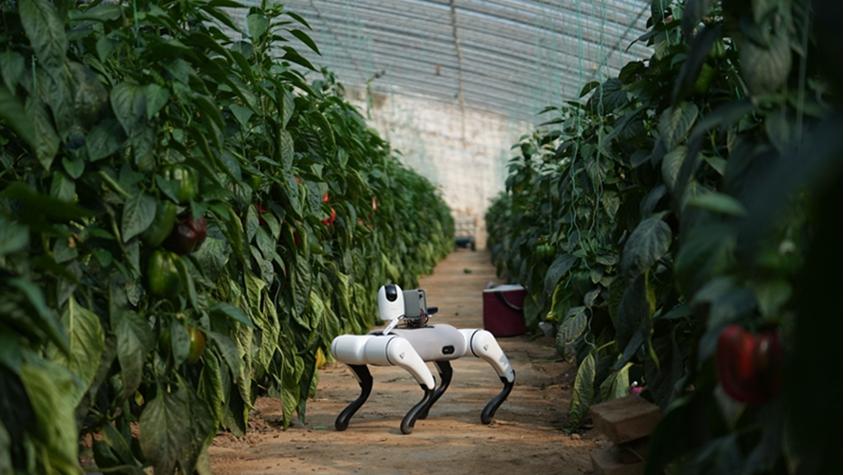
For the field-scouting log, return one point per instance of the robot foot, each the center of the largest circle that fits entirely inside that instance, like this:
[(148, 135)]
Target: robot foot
[(495, 402), (444, 368), (365, 380), (409, 419)]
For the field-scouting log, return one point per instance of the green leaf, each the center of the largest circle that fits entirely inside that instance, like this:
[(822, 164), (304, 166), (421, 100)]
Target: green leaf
[(636, 306), (298, 18), (138, 214), (293, 56), (572, 326), (13, 237), (304, 38), (13, 114), (646, 245), (45, 31), (129, 103), (211, 385), (11, 69), (617, 384), (50, 388), (561, 265), (46, 321), (166, 436), (156, 97), (675, 123), (102, 12), (103, 140), (179, 342), (228, 310), (257, 24), (187, 282), (134, 341), (46, 142), (718, 203), (229, 352), (671, 164), (85, 346), (286, 146), (583, 392), (242, 114)]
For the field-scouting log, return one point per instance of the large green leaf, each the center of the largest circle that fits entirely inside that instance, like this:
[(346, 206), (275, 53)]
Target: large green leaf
[(138, 214), (11, 69), (13, 237), (617, 384), (646, 245), (636, 306), (129, 103), (46, 141), (103, 140), (50, 388), (134, 342), (13, 114), (671, 164), (174, 427), (86, 341), (572, 326), (229, 310), (46, 32), (676, 122), (561, 265), (583, 392), (45, 318)]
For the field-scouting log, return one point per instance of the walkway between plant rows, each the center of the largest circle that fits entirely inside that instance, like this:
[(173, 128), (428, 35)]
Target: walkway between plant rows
[(525, 437)]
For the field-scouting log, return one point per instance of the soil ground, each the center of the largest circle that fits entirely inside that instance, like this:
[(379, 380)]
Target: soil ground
[(526, 435)]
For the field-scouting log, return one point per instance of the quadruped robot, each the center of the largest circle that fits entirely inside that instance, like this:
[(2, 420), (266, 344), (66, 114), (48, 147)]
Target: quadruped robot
[(409, 342)]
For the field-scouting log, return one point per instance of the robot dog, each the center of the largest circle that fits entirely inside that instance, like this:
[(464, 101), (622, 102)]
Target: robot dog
[(409, 342)]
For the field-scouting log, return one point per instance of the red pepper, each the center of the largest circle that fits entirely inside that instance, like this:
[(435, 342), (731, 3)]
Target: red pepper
[(187, 235), (325, 197), (749, 365), (331, 218)]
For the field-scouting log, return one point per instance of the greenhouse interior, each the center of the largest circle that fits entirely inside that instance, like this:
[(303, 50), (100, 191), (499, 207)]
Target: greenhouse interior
[(420, 237)]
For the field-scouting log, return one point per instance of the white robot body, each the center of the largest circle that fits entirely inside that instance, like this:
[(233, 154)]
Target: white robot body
[(382, 350), (411, 347)]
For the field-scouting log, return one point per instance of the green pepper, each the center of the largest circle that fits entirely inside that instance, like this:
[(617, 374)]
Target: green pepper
[(545, 250), (197, 344), (165, 217), (704, 79), (186, 180), (163, 274)]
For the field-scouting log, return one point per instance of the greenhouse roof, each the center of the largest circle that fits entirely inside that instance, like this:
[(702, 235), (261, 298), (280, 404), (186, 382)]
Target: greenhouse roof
[(513, 57)]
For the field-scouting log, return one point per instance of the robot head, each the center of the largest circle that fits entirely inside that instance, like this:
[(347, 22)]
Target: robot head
[(390, 302)]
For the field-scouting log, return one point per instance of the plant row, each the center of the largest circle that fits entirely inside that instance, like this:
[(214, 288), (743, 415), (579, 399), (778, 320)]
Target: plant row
[(665, 226), (186, 222)]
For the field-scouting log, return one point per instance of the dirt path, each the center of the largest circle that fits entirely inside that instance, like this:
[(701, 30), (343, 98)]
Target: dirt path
[(525, 437)]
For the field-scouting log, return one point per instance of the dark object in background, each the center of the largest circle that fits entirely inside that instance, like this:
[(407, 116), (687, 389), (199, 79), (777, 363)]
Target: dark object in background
[(465, 228), (503, 306)]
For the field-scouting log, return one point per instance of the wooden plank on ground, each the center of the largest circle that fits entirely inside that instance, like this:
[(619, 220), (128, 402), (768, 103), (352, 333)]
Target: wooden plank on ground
[(625, 419)]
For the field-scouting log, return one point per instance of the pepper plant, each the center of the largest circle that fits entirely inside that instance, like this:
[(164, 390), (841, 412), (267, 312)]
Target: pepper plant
[(189, 213), (661, 226)]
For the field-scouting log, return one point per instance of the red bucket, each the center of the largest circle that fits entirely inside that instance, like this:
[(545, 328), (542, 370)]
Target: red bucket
[(503, 310)]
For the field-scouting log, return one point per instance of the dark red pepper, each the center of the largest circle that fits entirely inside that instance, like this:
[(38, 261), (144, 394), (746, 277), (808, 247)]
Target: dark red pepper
[(749, 364), (187, 235)]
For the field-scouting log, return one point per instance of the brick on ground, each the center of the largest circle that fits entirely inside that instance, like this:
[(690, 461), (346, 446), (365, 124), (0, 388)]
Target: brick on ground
[(625, 419)]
